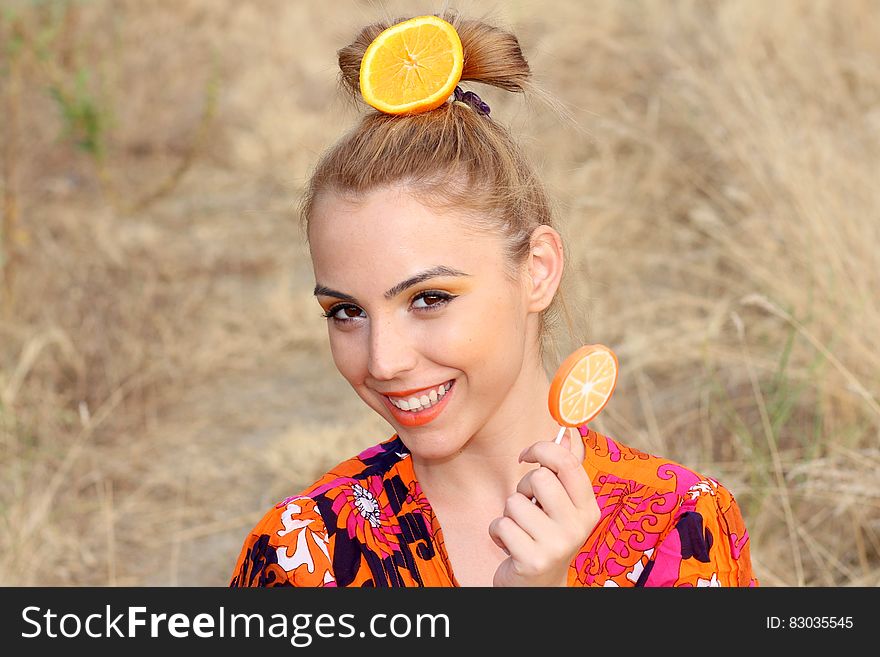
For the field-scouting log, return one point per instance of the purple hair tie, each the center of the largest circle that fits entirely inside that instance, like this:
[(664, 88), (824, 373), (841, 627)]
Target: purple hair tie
[(472, 100)]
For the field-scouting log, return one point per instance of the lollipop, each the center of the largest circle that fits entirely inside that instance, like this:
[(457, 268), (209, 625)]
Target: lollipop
[(582, 386)]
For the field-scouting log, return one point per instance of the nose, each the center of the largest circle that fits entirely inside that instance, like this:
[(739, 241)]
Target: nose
[(391, 350)]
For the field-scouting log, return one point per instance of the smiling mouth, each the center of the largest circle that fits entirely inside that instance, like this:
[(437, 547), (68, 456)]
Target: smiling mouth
[(425, 400)]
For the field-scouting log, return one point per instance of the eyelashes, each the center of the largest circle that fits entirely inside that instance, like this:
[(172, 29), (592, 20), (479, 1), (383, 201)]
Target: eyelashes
[(444, 299)]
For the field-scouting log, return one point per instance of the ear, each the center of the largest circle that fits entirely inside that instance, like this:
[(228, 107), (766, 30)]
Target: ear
[(545, 265)]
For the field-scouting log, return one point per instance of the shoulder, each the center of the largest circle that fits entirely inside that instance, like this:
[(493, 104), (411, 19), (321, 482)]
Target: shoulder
[(656, 512), (613, 461), (292, 544), (289, 546), (615, 466)]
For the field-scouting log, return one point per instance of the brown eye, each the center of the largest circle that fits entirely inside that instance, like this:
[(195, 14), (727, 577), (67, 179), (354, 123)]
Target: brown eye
[(431, 300), (349, 313)]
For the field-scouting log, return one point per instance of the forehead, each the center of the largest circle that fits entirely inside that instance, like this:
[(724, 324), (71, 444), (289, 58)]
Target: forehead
[(389, 234)]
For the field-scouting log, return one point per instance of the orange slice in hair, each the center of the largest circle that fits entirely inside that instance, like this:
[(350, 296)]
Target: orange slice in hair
[(412, 66), (583, 384)]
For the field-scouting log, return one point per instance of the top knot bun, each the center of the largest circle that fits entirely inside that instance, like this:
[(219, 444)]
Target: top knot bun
[(492, 56)]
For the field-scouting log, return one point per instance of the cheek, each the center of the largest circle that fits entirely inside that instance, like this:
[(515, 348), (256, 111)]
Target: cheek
[(349, 355), (481, 334)]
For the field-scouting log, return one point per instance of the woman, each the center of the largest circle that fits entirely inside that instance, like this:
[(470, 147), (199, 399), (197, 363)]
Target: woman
[(437, 266)]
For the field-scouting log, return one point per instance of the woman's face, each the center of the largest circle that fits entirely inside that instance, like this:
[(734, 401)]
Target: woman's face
[(418, 301)]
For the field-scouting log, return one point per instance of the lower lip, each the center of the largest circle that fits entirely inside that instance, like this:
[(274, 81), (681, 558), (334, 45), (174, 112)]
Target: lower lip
[(418, 418)]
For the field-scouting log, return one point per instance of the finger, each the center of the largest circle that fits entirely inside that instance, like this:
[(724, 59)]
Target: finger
[(532, 519), (497, 539), (567, 468), (511, 538), (542, 485)]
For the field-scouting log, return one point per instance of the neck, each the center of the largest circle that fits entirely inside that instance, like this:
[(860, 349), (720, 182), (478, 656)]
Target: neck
[(486, 469)]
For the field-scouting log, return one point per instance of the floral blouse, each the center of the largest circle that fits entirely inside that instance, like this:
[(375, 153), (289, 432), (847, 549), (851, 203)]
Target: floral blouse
[(367, 523)]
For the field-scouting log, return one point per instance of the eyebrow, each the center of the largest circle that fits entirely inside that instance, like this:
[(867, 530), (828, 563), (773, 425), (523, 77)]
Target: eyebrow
[(433, 272)]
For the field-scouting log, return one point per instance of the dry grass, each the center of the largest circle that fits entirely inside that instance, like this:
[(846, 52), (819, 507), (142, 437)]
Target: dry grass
[(164, 373)]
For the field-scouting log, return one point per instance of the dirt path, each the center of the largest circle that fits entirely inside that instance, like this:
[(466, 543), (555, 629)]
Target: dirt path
[(228, 452), (263, 419)]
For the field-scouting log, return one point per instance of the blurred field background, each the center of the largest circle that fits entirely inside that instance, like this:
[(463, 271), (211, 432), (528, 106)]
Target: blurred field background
[(165, 374)]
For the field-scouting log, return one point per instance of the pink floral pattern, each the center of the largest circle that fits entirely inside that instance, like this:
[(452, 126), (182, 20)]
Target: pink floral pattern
[(363, 509), (367, 522)]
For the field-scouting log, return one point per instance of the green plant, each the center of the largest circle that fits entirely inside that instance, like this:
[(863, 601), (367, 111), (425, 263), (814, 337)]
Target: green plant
[(85, 117)]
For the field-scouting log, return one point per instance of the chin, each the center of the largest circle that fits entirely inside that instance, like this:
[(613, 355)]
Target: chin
[(428, 447)]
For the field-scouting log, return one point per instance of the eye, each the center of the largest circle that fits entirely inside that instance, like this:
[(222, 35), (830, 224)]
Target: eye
[(433, 301), (343, 307)]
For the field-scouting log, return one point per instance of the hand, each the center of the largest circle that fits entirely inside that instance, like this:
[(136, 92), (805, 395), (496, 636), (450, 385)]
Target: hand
[(542, 538)]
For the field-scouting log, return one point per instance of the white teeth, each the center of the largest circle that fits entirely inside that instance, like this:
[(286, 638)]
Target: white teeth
[(418, 403)]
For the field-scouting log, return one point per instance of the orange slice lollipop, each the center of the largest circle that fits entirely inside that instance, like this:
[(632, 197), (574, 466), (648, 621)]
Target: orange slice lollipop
[(583, 384)]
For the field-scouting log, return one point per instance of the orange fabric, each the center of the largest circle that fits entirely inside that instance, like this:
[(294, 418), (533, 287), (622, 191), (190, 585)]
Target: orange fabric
[(367, 523)]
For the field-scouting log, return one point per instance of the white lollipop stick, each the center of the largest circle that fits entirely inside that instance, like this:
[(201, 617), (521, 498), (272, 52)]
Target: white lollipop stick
[(560, 435), (557, 441)]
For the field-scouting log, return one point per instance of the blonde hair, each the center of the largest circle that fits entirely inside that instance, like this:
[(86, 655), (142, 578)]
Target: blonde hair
[(451, 157)]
